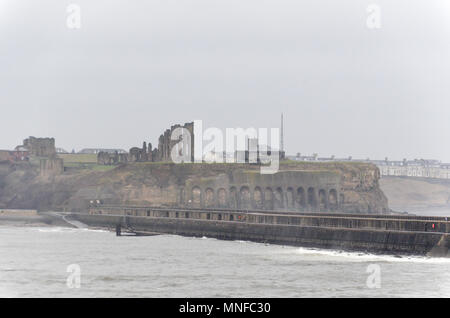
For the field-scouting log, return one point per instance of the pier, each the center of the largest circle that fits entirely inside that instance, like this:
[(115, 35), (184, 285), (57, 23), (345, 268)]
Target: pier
[(393, 234)]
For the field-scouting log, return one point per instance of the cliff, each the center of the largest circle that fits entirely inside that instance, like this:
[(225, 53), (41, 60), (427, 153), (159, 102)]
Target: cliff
[(350, 187), (424, 195)]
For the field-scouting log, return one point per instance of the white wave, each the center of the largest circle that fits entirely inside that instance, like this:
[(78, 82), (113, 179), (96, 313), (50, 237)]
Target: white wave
[(365, 257), (68, 230)]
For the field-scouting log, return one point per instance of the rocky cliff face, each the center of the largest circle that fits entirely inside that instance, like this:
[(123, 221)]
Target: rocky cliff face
[(424, 195), (349, 187), (359, 184)]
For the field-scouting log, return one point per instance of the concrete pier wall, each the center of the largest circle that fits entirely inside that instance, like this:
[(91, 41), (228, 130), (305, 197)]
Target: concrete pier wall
[(349, 221), (361, 234)]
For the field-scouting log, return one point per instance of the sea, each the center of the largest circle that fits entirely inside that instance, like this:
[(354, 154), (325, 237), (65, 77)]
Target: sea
[(75, 262)]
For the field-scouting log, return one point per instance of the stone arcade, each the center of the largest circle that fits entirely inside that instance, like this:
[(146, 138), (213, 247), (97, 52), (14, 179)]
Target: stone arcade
[(285, 190)]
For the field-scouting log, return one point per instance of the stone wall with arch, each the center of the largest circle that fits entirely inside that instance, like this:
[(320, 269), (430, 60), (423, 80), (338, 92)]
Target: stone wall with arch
[(296, 191)]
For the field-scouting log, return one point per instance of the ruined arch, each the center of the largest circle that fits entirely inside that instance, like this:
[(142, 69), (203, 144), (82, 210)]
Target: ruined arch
[(222, 197), (311, 196), (209, 197), (322, 200), (244, 198), (196, 196), (258, 202), (332, 200), (268, 199), (301, 198)]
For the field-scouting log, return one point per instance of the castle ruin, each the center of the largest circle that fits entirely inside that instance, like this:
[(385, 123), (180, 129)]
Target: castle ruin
[(39, 147), (45, 150), (147, 153)]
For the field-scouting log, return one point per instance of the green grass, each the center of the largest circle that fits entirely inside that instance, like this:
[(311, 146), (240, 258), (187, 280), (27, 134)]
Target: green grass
[(78, 158)]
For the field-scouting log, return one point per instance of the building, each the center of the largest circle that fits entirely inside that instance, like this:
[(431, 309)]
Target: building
[(98, 150), (421, 168)]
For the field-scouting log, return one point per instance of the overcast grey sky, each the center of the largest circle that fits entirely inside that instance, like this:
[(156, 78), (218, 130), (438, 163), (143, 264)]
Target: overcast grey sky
[(136, 67)]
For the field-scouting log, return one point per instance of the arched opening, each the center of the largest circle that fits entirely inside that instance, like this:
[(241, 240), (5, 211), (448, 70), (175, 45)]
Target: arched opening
[(258, 198), (244, 198), (219, 217), (196, 196), (231, 217), (209, 197), (312, 203), (222, 198), (301, 200), (332, 200), (322, 200), (268, 199)]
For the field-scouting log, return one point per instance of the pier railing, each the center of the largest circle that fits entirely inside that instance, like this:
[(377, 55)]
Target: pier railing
[(339, 220)]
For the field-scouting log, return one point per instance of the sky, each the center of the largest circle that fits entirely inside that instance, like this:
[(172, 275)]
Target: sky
[(134, 68)]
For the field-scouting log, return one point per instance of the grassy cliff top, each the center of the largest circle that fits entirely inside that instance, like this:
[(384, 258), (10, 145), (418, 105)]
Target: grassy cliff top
[(206, 169), (78, 158)]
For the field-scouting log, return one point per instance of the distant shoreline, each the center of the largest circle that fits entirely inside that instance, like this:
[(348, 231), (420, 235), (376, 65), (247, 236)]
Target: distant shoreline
[(26, 218)]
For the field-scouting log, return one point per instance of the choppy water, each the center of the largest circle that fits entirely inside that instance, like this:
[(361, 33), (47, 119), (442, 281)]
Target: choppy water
[(34, 262)]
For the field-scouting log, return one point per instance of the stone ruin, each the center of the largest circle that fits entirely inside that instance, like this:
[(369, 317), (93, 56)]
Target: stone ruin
[(107, 158), (39, 147), (147, 153), (165, 146), (44, 149)]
